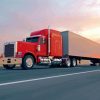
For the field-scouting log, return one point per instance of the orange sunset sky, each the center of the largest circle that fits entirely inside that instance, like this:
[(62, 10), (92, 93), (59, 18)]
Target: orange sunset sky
[(20, 17)]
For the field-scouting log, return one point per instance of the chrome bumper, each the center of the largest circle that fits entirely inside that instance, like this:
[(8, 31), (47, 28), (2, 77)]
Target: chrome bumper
[(9, 61)]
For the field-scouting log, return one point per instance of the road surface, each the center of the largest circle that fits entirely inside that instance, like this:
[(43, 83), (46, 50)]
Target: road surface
[(80, 83)]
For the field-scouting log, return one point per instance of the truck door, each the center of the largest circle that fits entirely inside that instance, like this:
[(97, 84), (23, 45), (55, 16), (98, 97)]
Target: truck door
[(43, 46)]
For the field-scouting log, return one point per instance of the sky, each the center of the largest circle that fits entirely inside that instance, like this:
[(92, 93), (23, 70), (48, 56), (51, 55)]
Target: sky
[(20, 17)]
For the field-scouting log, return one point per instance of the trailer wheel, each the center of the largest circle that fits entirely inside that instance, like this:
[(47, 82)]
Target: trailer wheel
[(9, 66), (73, 62), (28, 62)]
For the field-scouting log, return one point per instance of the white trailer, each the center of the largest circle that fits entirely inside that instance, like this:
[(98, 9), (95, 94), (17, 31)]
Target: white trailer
[(76, 47)]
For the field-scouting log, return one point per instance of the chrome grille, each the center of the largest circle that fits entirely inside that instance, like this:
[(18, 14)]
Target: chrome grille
[(9, 50)]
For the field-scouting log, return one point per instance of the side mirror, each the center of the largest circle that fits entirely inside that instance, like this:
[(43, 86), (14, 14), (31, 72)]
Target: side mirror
[(42, 40)]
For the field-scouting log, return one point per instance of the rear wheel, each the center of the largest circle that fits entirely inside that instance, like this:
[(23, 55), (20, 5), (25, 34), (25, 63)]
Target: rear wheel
[(28, 62), (68, 62), (9, 66), (73, 62)]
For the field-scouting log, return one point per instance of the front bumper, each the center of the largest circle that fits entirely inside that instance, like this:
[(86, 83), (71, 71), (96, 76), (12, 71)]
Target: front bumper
[(10, 61)]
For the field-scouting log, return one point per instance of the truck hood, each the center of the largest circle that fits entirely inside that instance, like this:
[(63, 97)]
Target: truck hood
[(26, 47)]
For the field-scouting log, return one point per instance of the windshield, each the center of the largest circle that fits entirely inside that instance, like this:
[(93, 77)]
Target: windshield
[(32, 39)]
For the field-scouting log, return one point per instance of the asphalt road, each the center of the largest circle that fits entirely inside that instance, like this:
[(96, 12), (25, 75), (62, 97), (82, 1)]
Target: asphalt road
[(80, 83)]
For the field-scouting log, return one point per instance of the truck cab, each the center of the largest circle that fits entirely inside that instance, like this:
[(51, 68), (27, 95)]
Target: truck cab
[(40, 47)]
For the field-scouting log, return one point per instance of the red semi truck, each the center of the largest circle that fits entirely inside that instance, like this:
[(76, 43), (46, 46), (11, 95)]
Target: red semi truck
[(50, 47)]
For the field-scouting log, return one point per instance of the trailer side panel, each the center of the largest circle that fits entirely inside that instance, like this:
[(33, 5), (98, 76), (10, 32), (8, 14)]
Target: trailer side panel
[(81, 47)]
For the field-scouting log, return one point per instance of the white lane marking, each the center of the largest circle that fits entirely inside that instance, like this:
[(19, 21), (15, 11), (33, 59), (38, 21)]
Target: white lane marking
[(44, 78)]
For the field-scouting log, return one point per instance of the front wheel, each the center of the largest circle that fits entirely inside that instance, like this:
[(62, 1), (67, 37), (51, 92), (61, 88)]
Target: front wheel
[(28, 62), (9, 66)]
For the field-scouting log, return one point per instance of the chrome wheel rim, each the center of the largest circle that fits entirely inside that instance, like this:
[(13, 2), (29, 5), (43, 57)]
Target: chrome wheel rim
[(74, 62), (68, 63), (29, 62)]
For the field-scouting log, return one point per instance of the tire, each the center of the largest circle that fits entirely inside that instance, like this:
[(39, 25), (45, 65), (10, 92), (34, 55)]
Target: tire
[(27, 62), (9, 66), (68, 62), (73, 62)]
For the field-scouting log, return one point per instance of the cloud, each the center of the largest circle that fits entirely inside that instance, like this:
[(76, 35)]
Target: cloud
[(19, 17)]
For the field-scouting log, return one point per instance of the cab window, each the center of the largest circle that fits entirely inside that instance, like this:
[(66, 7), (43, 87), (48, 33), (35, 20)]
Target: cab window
[(32, 39)]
